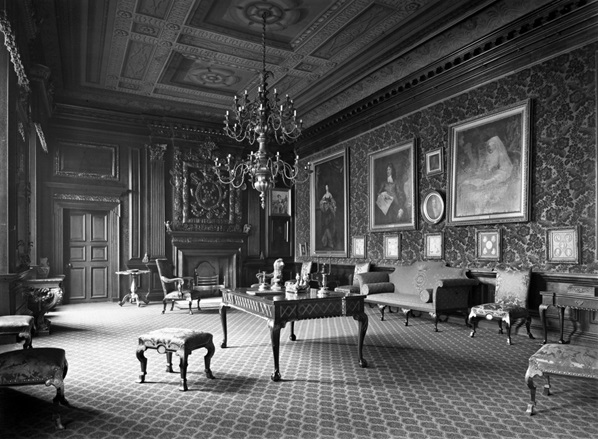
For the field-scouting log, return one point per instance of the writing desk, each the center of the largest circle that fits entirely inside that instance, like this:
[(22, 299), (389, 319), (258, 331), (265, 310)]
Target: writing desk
[(279, 308), (562, 301)]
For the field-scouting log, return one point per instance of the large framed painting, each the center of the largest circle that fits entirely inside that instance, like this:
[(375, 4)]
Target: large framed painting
[(392, 188), (328, 205), (489, 167)]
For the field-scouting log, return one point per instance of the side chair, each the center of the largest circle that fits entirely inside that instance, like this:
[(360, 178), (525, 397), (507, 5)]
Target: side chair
[(510, 302), (172, 286)]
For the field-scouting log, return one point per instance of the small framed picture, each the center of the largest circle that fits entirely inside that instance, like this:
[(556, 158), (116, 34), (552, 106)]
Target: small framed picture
[(434, 245), (488, 244), (280, 201), (563, 245), (434, 162), (359, 247), (392, 246), (303, 249), (433, 207)]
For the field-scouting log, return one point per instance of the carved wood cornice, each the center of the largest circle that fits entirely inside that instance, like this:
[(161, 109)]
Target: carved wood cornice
[(546, 33)]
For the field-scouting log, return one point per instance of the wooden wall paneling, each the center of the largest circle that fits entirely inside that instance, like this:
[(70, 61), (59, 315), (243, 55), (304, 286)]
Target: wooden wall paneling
[(135, 209)]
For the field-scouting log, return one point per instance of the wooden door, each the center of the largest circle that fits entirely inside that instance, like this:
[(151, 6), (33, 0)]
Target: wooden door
[(86, 253)]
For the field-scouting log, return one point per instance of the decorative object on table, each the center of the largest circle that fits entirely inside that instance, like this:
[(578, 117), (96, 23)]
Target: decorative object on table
[(324, 289), (43, 270), (261, 119), (280, 202), (262, 285), (329, 205), (563, 245), (176, 340), (359, 246), (392, 246), (434, 162), (489, 167), (145, 259), (433, 207), (277, 275), (434, 245), (393, 188), (488, 244), (301, 285), (510, 302)]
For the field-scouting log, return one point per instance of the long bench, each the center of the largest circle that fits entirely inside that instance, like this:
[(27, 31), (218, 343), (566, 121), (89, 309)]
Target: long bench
[(428, 286)]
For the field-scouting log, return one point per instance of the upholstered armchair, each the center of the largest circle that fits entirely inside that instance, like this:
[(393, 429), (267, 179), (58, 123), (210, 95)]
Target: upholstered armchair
[(510, 302), (354, 286), (172, 286)]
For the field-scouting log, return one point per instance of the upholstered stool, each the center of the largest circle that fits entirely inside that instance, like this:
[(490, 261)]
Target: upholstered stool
[(19, 325), (562, 360), (36, 366), (175, 340)]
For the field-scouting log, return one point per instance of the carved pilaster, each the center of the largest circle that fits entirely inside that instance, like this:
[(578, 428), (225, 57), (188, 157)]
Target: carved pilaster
[(157, 151), (156, 200)]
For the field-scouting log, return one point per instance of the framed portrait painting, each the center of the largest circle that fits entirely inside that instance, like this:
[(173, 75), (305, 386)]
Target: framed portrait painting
[(434, 246), (563, 245), (433, 207), (434, 162), (328, 205), (489, 167), (488, 244), (392, 188), (280, 202)]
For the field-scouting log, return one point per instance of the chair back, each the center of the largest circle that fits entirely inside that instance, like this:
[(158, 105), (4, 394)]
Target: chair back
[(165, 271), (512, 286)]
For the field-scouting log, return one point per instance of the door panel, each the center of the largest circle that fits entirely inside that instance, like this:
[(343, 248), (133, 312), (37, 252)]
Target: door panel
[(87, 244)]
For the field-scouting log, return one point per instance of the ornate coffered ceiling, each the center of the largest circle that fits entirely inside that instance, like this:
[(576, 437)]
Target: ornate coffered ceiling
[(186, 59)]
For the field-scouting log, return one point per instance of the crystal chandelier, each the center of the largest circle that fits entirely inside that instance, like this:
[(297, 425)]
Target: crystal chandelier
[(257, 119)]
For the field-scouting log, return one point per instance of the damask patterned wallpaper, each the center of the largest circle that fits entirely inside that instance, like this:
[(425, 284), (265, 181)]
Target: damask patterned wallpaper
[(562, 168)]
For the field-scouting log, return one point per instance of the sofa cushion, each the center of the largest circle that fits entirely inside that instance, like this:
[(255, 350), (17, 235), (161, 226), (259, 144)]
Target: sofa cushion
[(360, 268), (425, 295), (370, 288)]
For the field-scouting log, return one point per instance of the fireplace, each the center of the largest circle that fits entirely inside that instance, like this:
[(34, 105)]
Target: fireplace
[(198, 250)]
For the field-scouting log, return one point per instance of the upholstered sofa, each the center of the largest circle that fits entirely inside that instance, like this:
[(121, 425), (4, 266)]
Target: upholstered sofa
[(428, 286)]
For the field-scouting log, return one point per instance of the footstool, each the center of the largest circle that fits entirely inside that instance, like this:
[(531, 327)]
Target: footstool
[(19, 325), (562, 360), (36, 366), (175, 340)]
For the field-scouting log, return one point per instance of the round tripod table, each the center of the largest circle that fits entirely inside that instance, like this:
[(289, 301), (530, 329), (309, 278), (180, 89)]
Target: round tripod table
[(133, 296)]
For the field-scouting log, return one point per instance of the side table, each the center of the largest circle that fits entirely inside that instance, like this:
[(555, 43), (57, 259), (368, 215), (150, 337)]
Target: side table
[(132, 295), (562, 301)]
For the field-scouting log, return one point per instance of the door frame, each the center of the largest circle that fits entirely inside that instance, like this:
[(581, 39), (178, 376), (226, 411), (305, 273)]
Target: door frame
[(84, 202)]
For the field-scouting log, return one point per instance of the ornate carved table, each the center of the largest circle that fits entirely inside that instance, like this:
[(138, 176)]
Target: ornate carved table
[(132, 295), (278, 308), (562, 301), (42, 296)]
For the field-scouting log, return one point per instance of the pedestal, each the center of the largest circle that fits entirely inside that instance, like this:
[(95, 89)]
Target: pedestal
[(42, 296)]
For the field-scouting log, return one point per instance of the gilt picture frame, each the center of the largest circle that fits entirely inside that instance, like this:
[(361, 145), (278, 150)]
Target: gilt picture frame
[(563, 245), (280, 202), (433, 207), (359, 246), (489, 167), (488, 244), (434, 246), (393, 188), (392, 246), (329, 205), (434, 162)]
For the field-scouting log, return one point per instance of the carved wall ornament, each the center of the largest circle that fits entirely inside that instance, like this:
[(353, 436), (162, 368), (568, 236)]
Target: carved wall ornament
[(15, 57), (157, 151), (86, 198), (200, 202)]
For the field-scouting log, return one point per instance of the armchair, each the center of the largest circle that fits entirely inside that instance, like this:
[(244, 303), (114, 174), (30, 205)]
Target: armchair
[(172, 286), (354, 286), (510, 302)]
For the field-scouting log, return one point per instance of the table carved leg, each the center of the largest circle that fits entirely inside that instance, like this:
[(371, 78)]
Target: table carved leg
[(363, 327), (169, 362), (184, 358), (562, 325), (275, 338), (223, 310), (142, 362), (542, 311), (292, 336)]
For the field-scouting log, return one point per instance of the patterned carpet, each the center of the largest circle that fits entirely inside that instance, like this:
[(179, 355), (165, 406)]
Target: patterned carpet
[(419, 384)]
